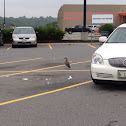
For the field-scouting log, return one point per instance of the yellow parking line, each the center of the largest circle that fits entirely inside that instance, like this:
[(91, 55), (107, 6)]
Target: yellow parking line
[(9, 48), (63, 70), (30, 71), (45, 93), (50, 46), (9, 71), (91, 46), (47, 71), (21, 61)]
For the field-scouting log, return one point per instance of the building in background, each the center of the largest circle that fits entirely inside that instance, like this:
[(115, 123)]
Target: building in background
[(70, 15)]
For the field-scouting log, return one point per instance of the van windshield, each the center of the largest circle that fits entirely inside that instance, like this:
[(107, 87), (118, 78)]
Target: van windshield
[(24, 31)]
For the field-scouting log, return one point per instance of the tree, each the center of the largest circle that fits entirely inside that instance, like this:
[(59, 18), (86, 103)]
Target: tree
[(107, 27), (52, 24)]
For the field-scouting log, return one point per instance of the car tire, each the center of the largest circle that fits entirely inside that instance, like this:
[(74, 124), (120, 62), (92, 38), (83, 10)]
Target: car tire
[(35, 45), (13, 46), (2, 43), (70, 32)]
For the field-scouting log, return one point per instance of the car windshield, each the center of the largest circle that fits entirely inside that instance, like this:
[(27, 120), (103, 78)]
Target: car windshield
[(24, 31), (118, 36)]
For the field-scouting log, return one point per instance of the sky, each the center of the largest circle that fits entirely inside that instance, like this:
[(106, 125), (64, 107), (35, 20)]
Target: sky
[(37, 8)]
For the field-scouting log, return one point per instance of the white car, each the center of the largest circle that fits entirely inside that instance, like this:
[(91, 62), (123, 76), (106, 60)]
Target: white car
[(92, 27), (109, 60), (24, 36)]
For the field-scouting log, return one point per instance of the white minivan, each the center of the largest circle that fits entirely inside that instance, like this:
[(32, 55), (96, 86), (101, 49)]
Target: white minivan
[(24, 36)]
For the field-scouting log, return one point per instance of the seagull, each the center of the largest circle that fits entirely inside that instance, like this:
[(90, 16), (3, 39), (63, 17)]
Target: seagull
[(67, 62)]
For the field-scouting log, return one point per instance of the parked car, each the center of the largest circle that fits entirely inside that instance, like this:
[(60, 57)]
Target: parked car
[(1, 38), (24, 36), (77, 28), (92, 27), (97, 28), (109, 60)]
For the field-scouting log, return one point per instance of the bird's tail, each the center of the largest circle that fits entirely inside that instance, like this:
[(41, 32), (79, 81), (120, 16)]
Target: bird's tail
[(69, 65)]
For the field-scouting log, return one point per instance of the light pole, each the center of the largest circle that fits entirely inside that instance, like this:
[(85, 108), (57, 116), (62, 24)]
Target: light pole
[(84, 34), (84, 19), (4, 15)]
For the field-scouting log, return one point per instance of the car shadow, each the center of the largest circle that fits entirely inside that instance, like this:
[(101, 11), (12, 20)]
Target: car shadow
[(111, 87), (24, 46)]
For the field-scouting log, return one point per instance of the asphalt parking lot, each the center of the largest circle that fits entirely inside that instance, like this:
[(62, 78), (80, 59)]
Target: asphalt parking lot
[(37, 89)]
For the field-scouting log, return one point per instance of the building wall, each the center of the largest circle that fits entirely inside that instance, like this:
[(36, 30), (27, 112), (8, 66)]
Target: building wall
[(71, 15)]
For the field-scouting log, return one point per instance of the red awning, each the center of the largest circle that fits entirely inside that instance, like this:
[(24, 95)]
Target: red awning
[(122, 14)]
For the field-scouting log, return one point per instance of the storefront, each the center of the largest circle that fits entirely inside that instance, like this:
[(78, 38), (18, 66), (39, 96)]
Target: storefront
[(70, 15)]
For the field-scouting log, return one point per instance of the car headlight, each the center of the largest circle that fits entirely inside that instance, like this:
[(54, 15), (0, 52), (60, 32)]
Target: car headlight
[(34, 36), (14, 37), (97, 59)]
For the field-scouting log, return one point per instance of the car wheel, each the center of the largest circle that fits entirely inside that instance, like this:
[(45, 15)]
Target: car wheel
[(70, 32), (13, 46), (2, 43), (35, 45)]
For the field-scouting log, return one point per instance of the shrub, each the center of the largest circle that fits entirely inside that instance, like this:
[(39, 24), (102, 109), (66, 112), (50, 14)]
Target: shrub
[(59, 34), (7, 36), (107, 27), (49, 33), (41, 33), (44, 33)]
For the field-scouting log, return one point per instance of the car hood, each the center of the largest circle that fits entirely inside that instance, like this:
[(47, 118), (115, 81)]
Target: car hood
[(24, 35), (112, 50)]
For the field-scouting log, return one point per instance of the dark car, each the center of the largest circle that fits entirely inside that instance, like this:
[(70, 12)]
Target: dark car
[(77, 28), (1, 38)]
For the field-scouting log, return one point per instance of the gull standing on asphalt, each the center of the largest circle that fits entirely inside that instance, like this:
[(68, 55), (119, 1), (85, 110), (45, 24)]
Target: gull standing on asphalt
[(67, 62)]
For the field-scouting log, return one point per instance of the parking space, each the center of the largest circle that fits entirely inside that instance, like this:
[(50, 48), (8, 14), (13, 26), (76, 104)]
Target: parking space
[(37, 89), (45, 71)]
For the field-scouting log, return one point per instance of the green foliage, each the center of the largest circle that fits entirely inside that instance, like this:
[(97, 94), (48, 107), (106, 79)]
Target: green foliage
[(53, 24), (12, 24), (49, 33), (24, 21), (107, 27), (43, 33), (7, 36)]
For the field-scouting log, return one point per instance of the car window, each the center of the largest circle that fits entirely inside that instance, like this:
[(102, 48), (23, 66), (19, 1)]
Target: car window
[(24, 31), (80, 26), (118, 36)]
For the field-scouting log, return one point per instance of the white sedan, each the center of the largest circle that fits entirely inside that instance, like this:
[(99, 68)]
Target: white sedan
[(109, 60)]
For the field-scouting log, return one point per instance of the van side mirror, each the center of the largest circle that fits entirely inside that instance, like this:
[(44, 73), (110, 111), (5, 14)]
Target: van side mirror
[(102, 39)]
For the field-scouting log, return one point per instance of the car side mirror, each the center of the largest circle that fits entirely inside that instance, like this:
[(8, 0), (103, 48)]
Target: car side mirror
[(102, 39)]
